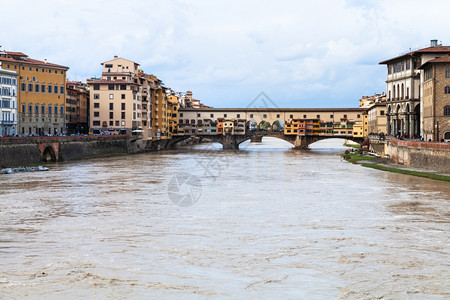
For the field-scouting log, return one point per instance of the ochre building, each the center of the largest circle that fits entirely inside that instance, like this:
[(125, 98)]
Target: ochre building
[(436, 99), (41, 94)]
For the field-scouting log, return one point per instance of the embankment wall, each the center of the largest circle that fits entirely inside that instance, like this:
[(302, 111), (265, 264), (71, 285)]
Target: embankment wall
[(31, 150), (433, 156)]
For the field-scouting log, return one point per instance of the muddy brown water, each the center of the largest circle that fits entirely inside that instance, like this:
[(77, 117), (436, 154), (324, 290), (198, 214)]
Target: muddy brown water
[(263, 222)]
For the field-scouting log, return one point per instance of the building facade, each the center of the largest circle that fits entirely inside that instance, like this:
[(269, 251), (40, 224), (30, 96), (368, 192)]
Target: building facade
[(377, 118), (41, 94), (160, 120), (436, 99), (404, 93), (319, 121), (116, 98), (8, 102), (77, 107), (172, 114), (147, 82)]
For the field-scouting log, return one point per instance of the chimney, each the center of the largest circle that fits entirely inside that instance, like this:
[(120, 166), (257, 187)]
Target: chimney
[(115, 56), (433, 43)]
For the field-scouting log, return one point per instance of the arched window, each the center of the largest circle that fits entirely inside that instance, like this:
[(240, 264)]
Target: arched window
[(407, 93), (403, 91), (447, 89), (49, 109), (389, 95), (393, 97), (398, 91), (447, 110), (447, 135)]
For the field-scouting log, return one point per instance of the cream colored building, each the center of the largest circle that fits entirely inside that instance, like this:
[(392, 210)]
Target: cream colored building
[(116, 98), (377, 118), (368, 101), (404, 93)]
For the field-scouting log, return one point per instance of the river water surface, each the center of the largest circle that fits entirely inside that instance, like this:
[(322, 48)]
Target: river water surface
[(262, 222)]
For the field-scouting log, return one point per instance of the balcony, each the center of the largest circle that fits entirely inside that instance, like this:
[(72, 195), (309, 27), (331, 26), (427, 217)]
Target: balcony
[(7, 122)]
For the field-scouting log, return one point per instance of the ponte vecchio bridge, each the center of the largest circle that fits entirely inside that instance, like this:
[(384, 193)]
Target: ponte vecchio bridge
[(299, 126)]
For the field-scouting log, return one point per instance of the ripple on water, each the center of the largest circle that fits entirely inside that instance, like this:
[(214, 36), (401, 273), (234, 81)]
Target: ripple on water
[(270, 222)]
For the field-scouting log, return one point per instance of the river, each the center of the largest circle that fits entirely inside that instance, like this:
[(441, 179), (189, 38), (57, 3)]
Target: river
[(199, 222)]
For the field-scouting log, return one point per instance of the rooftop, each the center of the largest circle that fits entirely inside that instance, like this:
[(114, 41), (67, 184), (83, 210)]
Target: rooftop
[(104, 81), (445, 59), (21, 58), (435, 49)]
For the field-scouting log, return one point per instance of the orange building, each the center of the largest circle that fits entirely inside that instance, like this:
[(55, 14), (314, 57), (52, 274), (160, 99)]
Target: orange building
[(220, 122), (41, 93)]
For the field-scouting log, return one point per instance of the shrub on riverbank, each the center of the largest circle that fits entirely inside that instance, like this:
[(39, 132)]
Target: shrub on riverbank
[(357, 146), (353, 157)]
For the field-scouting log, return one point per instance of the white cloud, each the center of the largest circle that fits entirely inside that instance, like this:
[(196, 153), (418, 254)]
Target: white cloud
[(323, 52)]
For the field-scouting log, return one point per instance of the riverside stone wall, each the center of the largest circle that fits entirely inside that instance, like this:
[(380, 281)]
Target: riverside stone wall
[(19, 154), (432, 156), (30, 150), (81, 149)]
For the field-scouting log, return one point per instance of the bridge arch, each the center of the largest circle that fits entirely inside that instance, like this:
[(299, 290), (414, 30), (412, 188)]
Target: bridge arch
[(252, 125), (264, 125), (277, 126), (49, 154)]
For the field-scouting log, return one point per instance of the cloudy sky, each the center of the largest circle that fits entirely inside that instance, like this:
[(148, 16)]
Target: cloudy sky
[(301, 53)]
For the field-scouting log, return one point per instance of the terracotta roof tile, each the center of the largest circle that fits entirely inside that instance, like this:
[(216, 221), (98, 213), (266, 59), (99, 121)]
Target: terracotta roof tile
[(440, 60), (445, 59), (438, 49), (33, 62), (104, 81), (16, 53)]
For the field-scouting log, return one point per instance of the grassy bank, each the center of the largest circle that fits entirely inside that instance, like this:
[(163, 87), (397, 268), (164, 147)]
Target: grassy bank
[(407, 172), (356, 156), (356, 146), (378, 163)]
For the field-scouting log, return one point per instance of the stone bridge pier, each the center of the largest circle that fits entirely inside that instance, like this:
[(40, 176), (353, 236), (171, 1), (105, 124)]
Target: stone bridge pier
[(231, 142)]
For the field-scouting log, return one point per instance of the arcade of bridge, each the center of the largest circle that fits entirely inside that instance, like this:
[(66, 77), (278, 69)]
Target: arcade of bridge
[(271, 115)]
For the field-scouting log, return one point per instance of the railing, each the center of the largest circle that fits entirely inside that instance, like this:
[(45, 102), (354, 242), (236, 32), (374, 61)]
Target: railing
[(34, 139), (7, 122), (379, 137)]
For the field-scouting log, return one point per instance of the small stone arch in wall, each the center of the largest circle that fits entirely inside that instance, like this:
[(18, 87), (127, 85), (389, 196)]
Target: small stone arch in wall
[(49, 154), (447, 136)]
